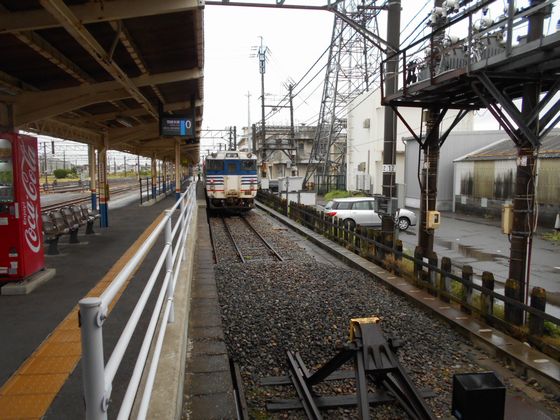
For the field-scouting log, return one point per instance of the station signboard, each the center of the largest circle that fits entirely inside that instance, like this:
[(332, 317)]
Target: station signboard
[(177, 126)]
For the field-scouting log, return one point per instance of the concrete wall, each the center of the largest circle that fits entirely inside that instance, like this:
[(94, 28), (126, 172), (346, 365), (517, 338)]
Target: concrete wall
[(365, 144)]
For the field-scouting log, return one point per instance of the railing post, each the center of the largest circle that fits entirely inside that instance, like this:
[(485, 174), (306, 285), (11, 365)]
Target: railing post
[(371, 244), (467, 276), (418, 253), (169, 264), (487, 300), (432, 274), (513, 314), (398, 257), (445, 281), (93, 364), (538, 301)]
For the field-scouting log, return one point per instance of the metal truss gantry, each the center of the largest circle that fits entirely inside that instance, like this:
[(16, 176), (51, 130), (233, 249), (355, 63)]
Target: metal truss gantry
[(350, 65)]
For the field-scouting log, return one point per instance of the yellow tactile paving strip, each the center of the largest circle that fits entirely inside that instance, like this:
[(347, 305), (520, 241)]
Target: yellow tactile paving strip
[(31, 389)]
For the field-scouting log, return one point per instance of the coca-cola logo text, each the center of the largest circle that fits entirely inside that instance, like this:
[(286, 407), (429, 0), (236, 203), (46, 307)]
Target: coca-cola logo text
[(30, 205)]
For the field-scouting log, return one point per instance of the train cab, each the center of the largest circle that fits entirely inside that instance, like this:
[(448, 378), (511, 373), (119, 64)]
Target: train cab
[(231, 181)]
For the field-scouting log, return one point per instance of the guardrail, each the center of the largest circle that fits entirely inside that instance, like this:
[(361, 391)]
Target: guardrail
[(503, 311), (98, 376), (150, 188)]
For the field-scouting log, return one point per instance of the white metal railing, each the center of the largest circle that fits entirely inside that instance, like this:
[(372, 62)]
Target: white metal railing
[(98, 377)]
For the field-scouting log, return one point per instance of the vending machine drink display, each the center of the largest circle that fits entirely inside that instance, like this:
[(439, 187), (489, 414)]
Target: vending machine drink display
[(21, 251)]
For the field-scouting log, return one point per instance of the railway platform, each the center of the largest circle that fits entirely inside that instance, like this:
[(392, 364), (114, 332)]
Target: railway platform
[(209, 389), (40, 374)]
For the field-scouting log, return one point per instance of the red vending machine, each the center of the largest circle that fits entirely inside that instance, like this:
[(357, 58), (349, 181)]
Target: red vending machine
[(21, 251)]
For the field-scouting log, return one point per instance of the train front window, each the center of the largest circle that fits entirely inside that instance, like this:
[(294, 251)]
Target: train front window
[(231, 168), (249, 165), (214, 165)]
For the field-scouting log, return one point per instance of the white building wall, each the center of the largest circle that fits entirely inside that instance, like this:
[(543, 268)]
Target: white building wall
[(364, 142)]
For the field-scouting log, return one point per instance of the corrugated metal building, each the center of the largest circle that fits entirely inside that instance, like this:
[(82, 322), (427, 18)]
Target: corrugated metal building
[(457, 144), (484, 180)]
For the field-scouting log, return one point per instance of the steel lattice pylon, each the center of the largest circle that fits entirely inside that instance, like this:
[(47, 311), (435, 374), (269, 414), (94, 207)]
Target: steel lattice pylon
[(350, 65)]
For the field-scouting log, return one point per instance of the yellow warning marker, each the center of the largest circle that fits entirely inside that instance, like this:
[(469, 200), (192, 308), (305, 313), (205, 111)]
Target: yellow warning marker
[(355, 322), (32, 388)]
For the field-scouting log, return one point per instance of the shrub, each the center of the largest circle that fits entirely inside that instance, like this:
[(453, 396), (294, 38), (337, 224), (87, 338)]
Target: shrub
[(342, 194), (60, 173)]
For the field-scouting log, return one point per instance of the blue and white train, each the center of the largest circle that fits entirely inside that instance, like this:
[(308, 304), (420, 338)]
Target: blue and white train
[(231, 181)]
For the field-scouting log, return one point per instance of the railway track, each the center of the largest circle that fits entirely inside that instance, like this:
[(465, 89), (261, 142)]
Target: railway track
[(248, 244), (81, 200)]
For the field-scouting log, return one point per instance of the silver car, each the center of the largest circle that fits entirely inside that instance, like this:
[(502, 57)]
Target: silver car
[(361, 211)]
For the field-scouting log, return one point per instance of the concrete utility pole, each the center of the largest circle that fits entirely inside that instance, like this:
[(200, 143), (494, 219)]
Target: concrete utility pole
[(428, 194), (390, 121), (249, 145), (292, 128), (262, 69), (524, 200), (234, 137)]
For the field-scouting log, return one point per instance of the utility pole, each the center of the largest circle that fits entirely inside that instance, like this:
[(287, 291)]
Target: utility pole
[(254, 137), (249, 145), (428, 194), (234, 137), (292, 129), (524, 199), (45, 159), (124, 160), (390, 120), (64, 159), (230, 141), (262, 69)]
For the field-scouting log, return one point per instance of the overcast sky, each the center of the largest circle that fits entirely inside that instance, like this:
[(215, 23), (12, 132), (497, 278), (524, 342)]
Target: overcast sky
[(296, 39)]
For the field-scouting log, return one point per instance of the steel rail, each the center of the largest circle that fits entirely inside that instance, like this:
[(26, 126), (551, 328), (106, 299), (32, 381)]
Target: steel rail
[(270, 247), (233, 240), (60, 204)]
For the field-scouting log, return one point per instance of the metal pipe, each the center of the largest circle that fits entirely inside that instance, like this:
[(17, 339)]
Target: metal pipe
[(143, 410), (109, 294), (169, 262), (132, 389), (120, 348), (93, 365)]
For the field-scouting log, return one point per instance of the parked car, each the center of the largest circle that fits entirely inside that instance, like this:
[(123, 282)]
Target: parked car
[(361, 211)]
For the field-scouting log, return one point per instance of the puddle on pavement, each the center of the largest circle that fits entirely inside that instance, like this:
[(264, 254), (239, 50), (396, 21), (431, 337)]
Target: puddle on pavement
[(469, 251)]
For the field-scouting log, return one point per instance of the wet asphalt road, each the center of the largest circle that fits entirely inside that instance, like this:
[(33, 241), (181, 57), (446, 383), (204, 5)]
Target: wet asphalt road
[(481, 244)]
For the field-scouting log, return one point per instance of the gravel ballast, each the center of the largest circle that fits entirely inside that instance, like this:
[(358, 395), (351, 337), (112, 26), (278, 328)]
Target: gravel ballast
[(301, 305)]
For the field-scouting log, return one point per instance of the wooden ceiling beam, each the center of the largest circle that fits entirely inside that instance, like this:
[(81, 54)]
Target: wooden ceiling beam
[(78, 31), (93, 12)]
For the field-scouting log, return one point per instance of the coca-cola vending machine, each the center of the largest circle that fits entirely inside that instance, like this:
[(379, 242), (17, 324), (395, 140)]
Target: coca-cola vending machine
[(21, 251)]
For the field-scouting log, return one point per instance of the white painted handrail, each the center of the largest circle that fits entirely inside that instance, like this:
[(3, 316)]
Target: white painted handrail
[(98, 377)]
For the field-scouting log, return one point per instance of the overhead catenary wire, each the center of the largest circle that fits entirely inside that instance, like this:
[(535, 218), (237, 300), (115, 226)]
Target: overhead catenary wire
[(276, 109)]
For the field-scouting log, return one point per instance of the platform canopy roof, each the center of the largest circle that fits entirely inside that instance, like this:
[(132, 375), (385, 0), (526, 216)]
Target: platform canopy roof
[(83, 69)]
